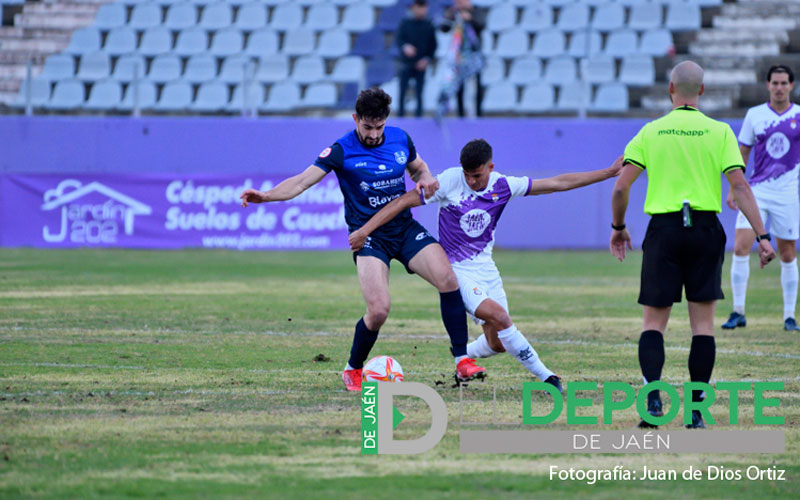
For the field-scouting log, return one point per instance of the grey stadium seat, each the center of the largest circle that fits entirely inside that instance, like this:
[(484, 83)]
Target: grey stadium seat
[(120, 41), (181, 16), (251, 16), (83, 41), (200, 68), (334, 43), (216, 16), (638, 70), (126, 67), (145, 15), (577, 44), (358, 17), (110, 16), (156, 41), (560, 70), (536, 17), (611, 98), (191, 41), (165, 68), (609, 17), (104, 95), (645, 16), (493, 71), (175, 96), (548, 43), (308, 69), (321, 17), (621, 43), (211, 97), (600, 69), (286, 17), (537, 98), (319, 95), (573, 17), (234, 67), (261, 43), (40, 93), (570, 97), (348, 69), (656, 42), (273, 68), (501, 17), (283, 96), (682, 17), (500, 97), (144, 91), (299, 42), (58, 67), (94, 66), (525, 70), (227, 42), (512, 43), (68, 94), (255, 97)]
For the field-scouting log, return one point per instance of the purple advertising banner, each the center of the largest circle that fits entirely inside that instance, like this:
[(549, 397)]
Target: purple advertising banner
[(165, 211)]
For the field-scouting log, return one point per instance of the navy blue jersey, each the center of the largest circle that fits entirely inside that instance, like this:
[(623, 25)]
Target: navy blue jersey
[(370, 177)]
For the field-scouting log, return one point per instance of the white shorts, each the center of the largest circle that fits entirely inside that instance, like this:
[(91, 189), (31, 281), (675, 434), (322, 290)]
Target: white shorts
[(478, 286), (782, 212)]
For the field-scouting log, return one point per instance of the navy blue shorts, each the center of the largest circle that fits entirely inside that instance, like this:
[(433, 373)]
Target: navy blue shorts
[(402, 245)]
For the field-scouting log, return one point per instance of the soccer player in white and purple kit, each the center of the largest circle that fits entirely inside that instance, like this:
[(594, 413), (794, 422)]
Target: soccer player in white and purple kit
[(471, 200), (772, 131)]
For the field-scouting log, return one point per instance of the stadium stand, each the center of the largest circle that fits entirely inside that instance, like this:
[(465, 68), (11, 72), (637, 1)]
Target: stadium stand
[(314, 52)]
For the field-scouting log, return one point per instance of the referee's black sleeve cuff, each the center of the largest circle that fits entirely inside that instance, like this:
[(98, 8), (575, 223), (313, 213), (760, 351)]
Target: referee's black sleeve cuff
[(628, 160), (725, 171)]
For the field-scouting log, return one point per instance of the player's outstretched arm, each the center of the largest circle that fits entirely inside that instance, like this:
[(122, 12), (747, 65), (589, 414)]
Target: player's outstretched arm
[(387, 213), (565, 182), (419, 172), (287, 189), (621, 239), (747, 204)]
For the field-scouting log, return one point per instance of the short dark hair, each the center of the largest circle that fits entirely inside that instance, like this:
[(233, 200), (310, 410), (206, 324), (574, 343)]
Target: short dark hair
[(475, 153), (373, 103), (780, 68), (420, 2)]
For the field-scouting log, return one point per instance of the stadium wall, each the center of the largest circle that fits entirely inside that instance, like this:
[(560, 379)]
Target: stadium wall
[(174, 182)]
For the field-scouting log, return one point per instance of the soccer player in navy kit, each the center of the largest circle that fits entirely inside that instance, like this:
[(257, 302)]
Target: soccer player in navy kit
[(370, 163)]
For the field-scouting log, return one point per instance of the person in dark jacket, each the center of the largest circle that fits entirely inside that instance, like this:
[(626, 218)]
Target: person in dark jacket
[(416, 39)]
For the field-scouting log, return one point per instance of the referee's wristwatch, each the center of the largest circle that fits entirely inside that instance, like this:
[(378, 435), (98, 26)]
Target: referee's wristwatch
[(765, 236)]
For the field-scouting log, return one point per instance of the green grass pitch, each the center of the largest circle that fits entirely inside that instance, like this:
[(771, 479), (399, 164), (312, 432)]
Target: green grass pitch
[(192, 374)]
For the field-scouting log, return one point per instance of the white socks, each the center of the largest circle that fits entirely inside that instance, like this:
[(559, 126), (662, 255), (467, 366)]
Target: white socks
[(789, 286), (740, 272), (479, 348), (518, 346)]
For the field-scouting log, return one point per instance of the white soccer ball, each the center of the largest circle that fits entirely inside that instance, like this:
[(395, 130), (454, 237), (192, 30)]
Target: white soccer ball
[(382, 369)]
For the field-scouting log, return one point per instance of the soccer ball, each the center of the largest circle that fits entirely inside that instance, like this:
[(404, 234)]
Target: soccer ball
[(382, 369)]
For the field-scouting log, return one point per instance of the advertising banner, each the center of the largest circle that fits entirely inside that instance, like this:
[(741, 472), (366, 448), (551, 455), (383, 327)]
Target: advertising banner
[(165, 211)]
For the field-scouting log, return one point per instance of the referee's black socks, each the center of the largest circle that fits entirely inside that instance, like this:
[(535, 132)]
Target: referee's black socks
[(651, 358), (701, 361)]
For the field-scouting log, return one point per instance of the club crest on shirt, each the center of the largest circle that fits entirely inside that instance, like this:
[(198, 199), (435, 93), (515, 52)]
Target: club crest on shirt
[(400, 156), (476, 291), (494, 197), (793, 123)]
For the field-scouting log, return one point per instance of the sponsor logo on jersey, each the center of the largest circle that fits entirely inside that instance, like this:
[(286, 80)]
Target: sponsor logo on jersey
[(388, 183), (361, 164), (364, 186), (401, 157), (421, 235), (777, 145), (376, 201), (475, 222), (682, 132), (325, 153)]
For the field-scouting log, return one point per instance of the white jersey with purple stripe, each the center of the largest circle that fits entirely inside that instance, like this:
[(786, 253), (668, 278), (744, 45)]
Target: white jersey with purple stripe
[(775, 139), (467, 219)]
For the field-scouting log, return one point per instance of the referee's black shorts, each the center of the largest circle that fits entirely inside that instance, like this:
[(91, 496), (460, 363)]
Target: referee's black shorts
[(674, 257)]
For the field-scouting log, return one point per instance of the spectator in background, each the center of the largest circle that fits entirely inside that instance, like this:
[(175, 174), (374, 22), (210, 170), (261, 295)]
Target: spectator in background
[(466, 22), (416, 38)]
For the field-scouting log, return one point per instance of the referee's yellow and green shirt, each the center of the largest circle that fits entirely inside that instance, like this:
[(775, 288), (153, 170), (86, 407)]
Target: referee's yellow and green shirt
[(684, 153)]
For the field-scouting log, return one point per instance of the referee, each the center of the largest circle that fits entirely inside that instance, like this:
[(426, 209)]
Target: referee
[(684, 153)]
